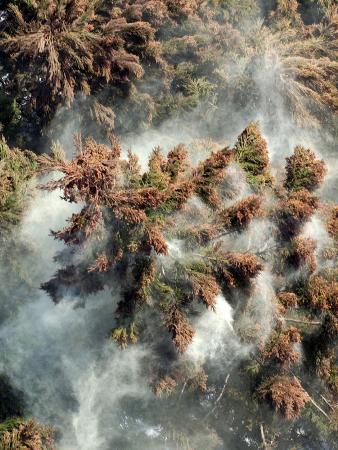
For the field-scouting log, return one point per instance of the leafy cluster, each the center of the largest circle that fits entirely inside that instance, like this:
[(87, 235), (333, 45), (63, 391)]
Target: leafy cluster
[(22, 434), (126, 65), (125, 224), (253, 156), (285, 394), (280, 348), (124, 217), (150, 61), (16, 169), (304, 171)]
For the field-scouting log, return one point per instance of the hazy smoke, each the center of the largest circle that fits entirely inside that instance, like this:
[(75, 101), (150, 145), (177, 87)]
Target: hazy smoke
[(215, 338), (72, 377)]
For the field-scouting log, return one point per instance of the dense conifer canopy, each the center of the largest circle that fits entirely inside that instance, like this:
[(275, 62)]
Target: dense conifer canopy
[(207, 264)]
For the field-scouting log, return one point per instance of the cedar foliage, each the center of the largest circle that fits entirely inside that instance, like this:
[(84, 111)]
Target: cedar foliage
[(294, 211), (301, 254), (242, 213), (124, 231), (16, 169), (126, 218), (324, 352), (303, 170), (253, 156), (237, 269), (134, 210), (204, 287), (280, 348), (285, 394), (288, 300), (21, 434), (164, 386), (51, 51), (332, 223), (322, 293), (180, 329), (64, 47), (83, 46)]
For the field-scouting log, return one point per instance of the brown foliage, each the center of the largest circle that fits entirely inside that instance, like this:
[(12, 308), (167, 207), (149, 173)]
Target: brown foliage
[(302, 253), (94, 176), (242, 213), (285, 394), (204, 287), (192, 377), (91, 176), (280, 347), (130, 215), (101, 264), (308, 71), (155, 240), (154, 11), (210, 196), (182, 9), (236, 269), (199, 381), (137, 199), (69, 48), (322, 294), (286, 9), (82, 225), (180, 194), (210, 173), (303, 170), (213, 168), (181, 330), (294, 211), (177, 161), (288, 300), (332, 223), (28, 435), (201, 234), (157, 161), (133, 209), (164, 386)]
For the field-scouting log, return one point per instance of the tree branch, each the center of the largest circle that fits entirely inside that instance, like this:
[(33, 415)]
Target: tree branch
[(263, 437), (305, 322), (220, 396)]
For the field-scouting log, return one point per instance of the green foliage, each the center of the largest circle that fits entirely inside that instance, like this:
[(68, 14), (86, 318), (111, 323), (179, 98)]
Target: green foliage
[(188, 56), (324, 427), (252, 155), (16, 169), (10, 116), (11, 403), (169, 44), (9, 424), (303, 170), (237, 11), (124, 336), (20, 434)]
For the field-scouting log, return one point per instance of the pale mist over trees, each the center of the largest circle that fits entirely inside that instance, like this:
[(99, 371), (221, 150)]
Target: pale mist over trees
[(168, 224)]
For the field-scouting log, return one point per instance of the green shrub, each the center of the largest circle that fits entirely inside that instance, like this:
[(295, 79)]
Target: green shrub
[(16, 168)]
